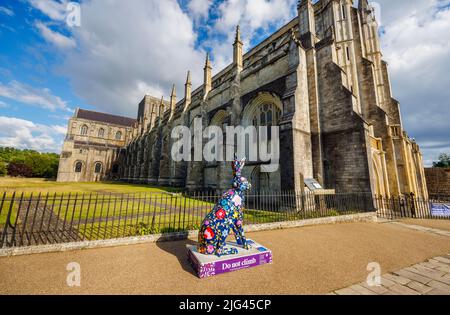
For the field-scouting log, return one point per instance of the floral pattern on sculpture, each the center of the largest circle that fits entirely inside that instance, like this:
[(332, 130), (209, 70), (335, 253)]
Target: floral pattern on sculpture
[(226, 216)]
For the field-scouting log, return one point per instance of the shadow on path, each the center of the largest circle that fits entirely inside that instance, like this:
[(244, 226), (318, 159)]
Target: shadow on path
[(178, 249)]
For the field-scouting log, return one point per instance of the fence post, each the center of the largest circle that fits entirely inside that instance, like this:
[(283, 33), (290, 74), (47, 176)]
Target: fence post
[(70, 232), (184, 211), (24, 224), (100, 220), (154, 215), (40, 231), (51, 217), (126, 216), (93, 217), (63, 230), (114, 217), (87, 216), (8, 220), (2, 203), (13, 237), (120, 214)]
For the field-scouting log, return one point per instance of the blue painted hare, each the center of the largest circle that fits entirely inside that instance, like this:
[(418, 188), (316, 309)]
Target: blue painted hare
[(226, 216)]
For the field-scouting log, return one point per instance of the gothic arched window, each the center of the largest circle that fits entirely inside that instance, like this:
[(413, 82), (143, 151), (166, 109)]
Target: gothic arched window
[(101, 133), (84, 130), (266, 115), (118, 135), (98, 168), (263, 111), (78, 167)]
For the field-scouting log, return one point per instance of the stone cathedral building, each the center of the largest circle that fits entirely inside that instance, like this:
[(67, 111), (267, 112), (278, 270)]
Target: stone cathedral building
[(321, 78)]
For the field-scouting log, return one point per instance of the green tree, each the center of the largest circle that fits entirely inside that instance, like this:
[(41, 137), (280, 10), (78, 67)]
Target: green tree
[(41, 164), (3, 171), (444, 161)]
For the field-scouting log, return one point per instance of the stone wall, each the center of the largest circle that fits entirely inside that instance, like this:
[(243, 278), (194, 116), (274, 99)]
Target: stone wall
[(438, 181), (91, 149)]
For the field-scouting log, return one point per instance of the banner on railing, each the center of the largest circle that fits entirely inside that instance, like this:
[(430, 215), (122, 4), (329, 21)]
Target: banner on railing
[(440, 210)]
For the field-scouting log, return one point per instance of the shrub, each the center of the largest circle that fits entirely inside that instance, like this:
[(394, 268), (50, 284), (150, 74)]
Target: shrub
[(143, 229), (19, 169)]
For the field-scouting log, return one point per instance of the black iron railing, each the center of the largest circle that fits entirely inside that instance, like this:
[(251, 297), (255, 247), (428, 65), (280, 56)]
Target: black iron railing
[(436, 207), (37, 219)]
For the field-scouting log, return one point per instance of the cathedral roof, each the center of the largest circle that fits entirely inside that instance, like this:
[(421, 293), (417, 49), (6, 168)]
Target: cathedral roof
[(105, 118)]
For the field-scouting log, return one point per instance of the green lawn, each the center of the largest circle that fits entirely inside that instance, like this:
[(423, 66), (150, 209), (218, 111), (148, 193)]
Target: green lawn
[(98, 200), (37, 185), (101, 206)]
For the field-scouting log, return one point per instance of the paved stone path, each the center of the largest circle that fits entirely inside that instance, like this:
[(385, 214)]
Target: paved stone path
[(428, 278)]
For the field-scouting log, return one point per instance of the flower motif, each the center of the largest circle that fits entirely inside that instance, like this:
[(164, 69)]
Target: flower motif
[(209, 234), (210, 249), (239, 223), (237, 200), (220, 214), (207, 222)]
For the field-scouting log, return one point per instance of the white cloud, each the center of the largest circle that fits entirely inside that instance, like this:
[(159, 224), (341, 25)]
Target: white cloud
[(416, 43), (125, 51), (55, 38), (199, 8), (56, 10), (252, 16), (33, 96), (3, 105), (24, 134), (59, 130), (6, 11)]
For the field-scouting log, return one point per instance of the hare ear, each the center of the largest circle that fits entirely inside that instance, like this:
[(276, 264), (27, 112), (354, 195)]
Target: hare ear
[(243, 162)]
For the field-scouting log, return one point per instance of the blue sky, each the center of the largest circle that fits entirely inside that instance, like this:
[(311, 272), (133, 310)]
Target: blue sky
[(120, 52)]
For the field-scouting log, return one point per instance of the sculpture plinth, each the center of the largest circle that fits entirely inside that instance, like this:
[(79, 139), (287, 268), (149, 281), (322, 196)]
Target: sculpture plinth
[(211, 265)]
